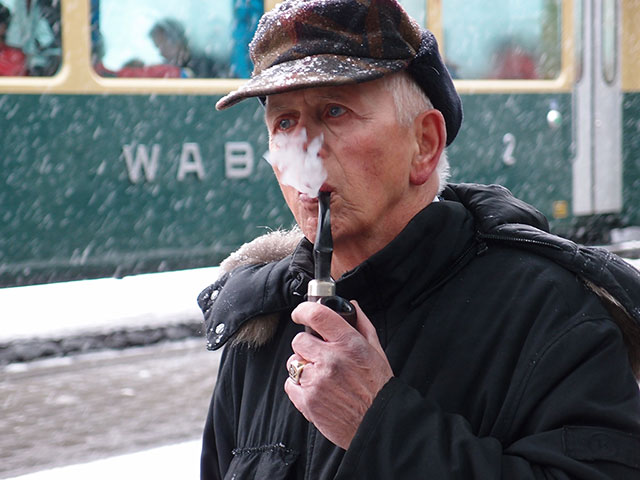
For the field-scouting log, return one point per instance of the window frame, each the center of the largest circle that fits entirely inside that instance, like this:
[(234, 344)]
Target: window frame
[(630, 39), (562, 83), (77, 76)]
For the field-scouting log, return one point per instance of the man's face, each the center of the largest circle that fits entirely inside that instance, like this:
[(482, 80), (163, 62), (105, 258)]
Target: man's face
[(366, 152)]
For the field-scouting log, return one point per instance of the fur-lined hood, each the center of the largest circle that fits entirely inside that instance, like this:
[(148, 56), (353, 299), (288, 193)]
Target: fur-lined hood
[(266, 251)]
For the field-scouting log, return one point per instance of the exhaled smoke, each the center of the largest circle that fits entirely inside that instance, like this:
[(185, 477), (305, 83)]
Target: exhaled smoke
[(299, 168)]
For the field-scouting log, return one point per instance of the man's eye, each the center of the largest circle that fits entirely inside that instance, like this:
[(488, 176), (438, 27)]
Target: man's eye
[(336, 111), (285, 124)]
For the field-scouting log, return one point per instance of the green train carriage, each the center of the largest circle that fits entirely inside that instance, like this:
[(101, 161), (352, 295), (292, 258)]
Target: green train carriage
[(115, 161)]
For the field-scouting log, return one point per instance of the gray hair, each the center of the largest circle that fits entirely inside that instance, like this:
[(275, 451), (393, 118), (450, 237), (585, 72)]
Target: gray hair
[(410, 101)]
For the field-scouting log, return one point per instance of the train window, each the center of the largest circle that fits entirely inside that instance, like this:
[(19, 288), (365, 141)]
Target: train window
[(609, 44), (29, 37), (164, 38), (511, 40)]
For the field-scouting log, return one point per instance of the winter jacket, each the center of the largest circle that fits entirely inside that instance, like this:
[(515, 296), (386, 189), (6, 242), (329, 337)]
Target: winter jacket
[(506, 363)]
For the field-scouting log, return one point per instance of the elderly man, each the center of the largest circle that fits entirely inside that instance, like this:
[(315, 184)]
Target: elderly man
[(484, 347)]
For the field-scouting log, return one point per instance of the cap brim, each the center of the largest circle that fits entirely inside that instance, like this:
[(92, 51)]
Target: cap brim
[(310, 72)]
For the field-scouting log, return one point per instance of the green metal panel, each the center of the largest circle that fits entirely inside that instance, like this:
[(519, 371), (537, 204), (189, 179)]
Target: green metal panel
[(631, 158), (70, 208), (540, 169)]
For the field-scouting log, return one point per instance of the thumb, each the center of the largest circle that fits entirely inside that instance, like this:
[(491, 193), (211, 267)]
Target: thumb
[(366, 328)]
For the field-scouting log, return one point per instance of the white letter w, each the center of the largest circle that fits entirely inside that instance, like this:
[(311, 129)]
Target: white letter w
[(141, 163)]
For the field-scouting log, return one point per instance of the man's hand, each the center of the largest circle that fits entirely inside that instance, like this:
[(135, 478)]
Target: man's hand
[(343, 373)]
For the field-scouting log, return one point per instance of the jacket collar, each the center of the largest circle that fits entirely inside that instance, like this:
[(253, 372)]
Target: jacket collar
[(430, 249), (246, 303), (421, 255), (419, 258)]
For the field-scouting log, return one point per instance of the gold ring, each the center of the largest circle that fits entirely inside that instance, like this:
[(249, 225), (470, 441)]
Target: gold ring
[(295, 370)]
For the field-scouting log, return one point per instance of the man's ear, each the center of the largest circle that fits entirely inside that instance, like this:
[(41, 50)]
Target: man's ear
[(431, 136)]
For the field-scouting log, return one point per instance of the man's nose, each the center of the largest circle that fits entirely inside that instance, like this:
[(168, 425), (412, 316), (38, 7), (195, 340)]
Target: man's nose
[(313, 131)]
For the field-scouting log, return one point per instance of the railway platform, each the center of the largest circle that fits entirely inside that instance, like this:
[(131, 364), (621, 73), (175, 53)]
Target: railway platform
[(61, 319)]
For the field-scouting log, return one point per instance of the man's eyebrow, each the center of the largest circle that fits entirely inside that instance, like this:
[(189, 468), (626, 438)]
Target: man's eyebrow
[(275, 106), (334, 96), (271, 109)]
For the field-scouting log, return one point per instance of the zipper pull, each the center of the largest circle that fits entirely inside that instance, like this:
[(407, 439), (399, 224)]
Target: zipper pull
[(482, 245)]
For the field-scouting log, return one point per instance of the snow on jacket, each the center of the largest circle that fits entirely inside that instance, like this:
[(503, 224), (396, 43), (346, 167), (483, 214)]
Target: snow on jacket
[(506, 363)]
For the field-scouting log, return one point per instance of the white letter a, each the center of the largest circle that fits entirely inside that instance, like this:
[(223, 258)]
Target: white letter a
[(190, 150)]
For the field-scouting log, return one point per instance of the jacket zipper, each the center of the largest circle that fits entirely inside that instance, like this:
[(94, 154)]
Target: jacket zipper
[(481, 249), (504, 238)]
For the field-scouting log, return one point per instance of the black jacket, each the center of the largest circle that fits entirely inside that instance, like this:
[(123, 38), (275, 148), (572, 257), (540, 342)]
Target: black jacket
[(506, 364)]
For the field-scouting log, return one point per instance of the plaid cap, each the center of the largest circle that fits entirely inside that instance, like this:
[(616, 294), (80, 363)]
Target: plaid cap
[(319, 43)]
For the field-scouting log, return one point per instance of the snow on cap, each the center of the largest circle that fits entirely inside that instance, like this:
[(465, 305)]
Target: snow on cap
[(319, 43)]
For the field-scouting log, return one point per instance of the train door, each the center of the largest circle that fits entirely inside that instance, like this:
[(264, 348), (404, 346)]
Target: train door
[(597, 165)]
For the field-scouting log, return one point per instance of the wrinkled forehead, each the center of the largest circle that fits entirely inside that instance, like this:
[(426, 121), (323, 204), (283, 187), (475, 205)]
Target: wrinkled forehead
[(360, 93)]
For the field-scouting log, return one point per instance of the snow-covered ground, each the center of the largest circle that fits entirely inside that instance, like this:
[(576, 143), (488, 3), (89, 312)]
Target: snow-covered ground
[(174, 462), (72, 307), (59, 309), (68, 308)]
